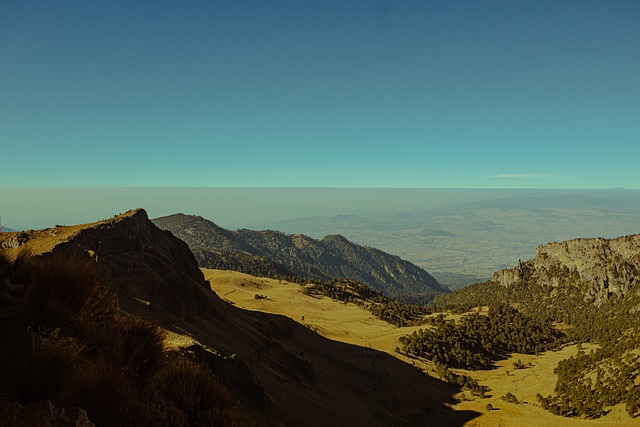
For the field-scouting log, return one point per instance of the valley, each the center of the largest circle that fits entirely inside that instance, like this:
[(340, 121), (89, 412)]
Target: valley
[(351, 324), (249, 367), (295, 351)]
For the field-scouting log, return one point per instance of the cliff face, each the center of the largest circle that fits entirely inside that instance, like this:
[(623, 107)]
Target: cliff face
[(597, 268), (149, 269), (332, 257)]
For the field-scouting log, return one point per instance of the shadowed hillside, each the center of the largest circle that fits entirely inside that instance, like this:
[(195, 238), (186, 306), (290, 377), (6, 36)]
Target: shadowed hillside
[(332, 257), (277, 371)]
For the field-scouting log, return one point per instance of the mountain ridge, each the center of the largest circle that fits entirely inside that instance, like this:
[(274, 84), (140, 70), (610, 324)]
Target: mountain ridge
[(604, 267), (299, 374), (591, 288), (333, 256), (122, 248)]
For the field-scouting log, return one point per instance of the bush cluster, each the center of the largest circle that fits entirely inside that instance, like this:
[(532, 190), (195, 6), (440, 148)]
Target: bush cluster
[(381, 306)]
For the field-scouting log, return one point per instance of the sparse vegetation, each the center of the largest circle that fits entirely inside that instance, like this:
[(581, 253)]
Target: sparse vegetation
[(589, 383), (510, 398), (463, 381), (381, 306), (519, 365), (82, 351)]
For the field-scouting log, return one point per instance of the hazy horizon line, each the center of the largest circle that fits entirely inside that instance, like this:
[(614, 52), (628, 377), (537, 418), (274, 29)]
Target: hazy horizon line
[(314, 187)]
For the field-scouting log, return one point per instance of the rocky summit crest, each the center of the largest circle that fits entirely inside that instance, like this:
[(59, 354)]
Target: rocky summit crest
[(597, 268), (148, 268)]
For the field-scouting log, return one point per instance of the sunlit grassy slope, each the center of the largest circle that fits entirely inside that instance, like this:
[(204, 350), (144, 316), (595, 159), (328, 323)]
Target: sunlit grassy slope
[(352, 324)]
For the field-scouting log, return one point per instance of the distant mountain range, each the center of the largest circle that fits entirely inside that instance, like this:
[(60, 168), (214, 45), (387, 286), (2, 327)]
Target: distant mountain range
[(276, 254), (573, 201)]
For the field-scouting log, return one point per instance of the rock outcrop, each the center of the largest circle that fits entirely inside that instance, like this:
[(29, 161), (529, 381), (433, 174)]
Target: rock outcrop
[(148, 268), (599, 268)]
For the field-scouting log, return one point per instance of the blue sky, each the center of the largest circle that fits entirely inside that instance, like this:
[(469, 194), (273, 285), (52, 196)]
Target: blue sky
[(434, 94)]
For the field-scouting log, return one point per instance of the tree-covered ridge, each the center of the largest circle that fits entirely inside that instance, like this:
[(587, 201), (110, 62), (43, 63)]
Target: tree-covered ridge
[(476, 340), (590, 286), (303, 256), (259, 266), (384, 308)]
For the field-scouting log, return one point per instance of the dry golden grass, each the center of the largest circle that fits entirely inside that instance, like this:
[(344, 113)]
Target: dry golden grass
[(525, 384), (41, 241), (332, 319), (174, 340), (354, 325)]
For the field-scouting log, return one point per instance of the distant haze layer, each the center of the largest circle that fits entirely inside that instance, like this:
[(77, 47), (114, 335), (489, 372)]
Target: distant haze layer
[(33, 208), (461, 236)]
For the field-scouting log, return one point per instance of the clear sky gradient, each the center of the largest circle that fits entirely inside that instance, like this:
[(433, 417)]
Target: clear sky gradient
[(444, 94)]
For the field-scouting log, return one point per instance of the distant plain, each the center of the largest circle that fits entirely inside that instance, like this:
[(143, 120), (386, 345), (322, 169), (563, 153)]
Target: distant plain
[(467, 242), (460, 236)]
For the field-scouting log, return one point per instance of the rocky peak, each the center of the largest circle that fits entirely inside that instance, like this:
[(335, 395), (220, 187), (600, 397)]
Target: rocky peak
[(598, 267), (335, 239), (150, 269)]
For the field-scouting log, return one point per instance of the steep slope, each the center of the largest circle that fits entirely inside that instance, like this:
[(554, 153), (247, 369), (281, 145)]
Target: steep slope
[(352, 323), (333, 256), (589, 284), (598, 269), (140, 262), (591, 288), (302, 378)]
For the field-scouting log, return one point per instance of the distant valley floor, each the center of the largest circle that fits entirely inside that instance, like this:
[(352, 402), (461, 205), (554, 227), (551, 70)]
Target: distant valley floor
[(467, 244)]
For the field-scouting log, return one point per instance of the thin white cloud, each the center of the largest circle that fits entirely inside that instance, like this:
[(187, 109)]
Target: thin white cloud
[(521, 175)]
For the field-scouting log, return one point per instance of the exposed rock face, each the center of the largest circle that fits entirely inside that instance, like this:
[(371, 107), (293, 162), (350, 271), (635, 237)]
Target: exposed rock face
[(15, 241), (599, 268), (332, 257), (148, 268)]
